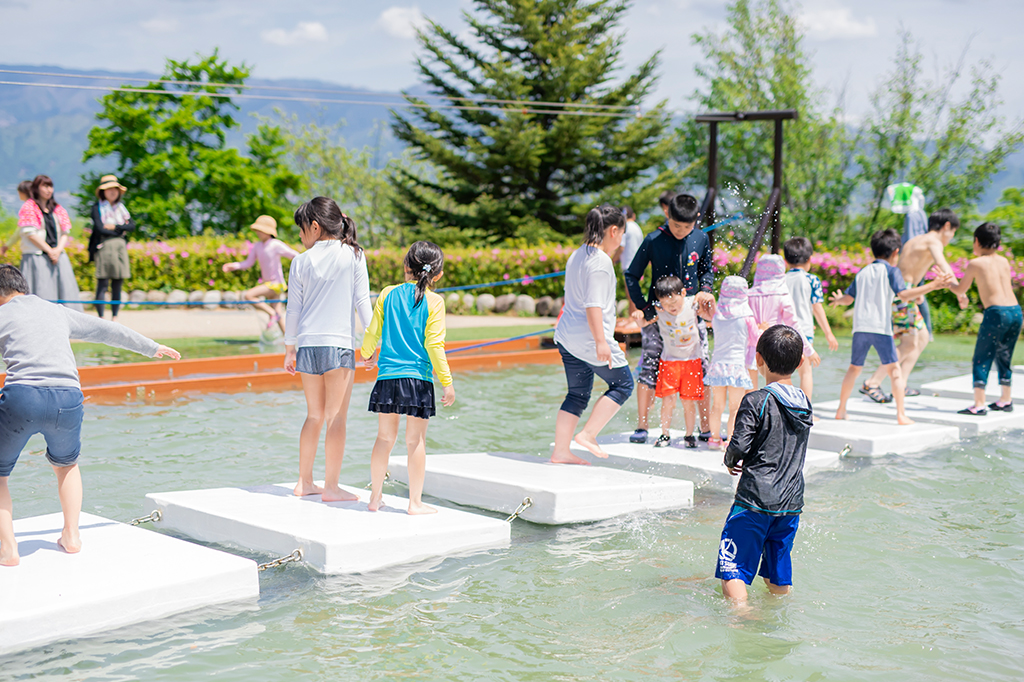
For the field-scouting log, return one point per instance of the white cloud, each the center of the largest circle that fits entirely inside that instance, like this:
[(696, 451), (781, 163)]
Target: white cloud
[(401, 22), (161, 25), (837, 23), (304, 32)]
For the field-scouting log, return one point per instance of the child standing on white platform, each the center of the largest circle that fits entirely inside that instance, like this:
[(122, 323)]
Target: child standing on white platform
[(329, 285), (773, 304), (42, 394), (409, 322), (736, 336), (808, 302)]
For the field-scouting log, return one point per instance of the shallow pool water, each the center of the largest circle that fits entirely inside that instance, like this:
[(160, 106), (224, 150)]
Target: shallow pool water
[(905, 567)]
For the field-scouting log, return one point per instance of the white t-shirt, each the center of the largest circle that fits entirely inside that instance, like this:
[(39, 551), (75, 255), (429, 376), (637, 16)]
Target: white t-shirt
[(589, 283), (631, 241), (873, 291), (679, 335), (806, 291), (327, 286)]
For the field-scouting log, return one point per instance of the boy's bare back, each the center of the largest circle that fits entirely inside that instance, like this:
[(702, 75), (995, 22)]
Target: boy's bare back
[(991, 273)]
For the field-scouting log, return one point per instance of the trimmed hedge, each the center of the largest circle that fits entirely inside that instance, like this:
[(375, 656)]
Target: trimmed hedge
[(195, 263)]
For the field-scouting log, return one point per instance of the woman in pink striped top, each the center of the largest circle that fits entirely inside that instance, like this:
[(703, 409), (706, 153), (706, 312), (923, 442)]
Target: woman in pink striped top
[(269, 251)]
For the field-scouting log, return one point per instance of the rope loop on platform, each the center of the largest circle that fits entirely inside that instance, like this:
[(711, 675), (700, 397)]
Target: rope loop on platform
[(290, 558), (845, 452), (387, 479), (153, 517), (523, 506)]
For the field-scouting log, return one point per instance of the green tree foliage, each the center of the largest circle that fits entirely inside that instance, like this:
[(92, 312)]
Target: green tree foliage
[(1009, 215), (351, 177), (920, 132), (507, 170), (167, 145), (758, 62)]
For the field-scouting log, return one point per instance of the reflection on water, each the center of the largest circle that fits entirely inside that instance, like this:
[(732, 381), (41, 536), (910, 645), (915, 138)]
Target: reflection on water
[(905, 567)]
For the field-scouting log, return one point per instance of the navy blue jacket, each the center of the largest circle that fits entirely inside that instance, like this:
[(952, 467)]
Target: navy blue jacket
[(689, 259), (770, 439)]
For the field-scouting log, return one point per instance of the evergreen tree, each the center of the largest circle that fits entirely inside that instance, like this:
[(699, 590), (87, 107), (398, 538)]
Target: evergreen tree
[(530, 169), (168, 148)]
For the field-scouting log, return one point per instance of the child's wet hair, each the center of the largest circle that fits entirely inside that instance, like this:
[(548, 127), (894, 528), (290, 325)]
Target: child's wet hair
[(12, 281), (424, 260), (599, 219), (331, 220), (938, 219), (884, 243), (684, 208), (782, 348), (797, 250), (669, 285), (989, 236)]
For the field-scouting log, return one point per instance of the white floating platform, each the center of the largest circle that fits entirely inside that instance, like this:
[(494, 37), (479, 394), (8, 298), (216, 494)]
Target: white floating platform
[(935, 410), (702, 466), (123, 575), (870, 436), (963, 387), (561, 493), (335, 537)]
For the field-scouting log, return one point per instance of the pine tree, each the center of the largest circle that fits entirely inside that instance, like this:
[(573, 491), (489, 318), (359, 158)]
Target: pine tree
[(524, 167)]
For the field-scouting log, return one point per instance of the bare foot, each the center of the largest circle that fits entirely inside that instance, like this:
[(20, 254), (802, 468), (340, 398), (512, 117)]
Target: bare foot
[(303, 489), (9, 555), (336, 494), (70, 542), (904, 420), (840, 414), (567, 458), (587, 441), (420, 508), (375, 503)]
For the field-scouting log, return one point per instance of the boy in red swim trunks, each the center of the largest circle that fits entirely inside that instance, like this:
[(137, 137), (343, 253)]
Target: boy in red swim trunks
[(679, 370)]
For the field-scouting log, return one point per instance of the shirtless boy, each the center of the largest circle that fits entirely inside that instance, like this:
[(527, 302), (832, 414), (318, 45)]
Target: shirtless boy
[(917, 257), (1000, 326)]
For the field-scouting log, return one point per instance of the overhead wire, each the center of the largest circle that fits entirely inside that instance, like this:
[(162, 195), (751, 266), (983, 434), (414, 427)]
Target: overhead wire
[(530, 107)]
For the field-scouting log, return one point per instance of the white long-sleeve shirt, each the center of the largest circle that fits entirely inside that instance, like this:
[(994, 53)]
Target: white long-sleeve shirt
[(327, 286)]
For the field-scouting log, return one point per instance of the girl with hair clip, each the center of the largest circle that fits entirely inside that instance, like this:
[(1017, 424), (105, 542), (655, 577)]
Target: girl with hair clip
[(409, 321), (585, 336), (329, 286)]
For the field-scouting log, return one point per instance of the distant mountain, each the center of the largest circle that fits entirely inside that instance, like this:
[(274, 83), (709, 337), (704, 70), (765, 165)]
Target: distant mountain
[(44, 130)]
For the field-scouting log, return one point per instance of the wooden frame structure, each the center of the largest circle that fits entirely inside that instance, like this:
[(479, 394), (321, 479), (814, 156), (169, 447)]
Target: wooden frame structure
[(771, 211)]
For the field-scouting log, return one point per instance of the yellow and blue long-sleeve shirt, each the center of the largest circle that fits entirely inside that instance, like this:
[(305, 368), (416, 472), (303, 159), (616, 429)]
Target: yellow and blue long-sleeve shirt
[(411, 336)]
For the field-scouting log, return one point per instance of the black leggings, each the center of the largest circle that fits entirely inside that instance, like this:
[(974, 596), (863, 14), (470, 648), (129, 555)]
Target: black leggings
[(115, 294)]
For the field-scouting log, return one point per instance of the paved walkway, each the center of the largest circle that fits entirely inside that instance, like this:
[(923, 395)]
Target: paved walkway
[(177, 323)]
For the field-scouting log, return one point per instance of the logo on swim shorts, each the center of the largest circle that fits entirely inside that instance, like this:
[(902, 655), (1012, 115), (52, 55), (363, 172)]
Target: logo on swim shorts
[(727, 550)]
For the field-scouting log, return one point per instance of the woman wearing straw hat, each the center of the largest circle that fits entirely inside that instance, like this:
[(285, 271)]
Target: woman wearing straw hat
[(45, 230), (269, 251), (108, 247)]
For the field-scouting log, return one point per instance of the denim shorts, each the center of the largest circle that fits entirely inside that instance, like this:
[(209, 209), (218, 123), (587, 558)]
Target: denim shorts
[(55, 412), (321, 359), (882, 343)]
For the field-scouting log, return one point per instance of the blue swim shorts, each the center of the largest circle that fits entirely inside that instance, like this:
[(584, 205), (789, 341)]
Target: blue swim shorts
[(751, 538), (883, 344), (55, 412), (322, 359)]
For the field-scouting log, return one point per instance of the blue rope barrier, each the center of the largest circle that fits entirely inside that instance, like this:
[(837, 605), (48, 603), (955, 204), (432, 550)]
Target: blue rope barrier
[(183, 303), (501, 283), (727, 221), (499, 341)]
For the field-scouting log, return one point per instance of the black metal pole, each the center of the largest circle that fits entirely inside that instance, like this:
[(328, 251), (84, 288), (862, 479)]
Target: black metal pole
[(777, 185), (766, 217)]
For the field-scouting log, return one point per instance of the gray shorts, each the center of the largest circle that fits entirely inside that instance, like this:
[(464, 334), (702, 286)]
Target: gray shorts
[(650, 355), (321, 359)]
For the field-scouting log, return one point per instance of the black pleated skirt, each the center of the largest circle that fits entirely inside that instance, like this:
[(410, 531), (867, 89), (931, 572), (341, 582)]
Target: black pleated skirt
[(412, 397)]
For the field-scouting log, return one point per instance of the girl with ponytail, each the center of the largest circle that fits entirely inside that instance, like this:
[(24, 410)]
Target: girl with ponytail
[(585, 336), (328, 285), (409, 322)]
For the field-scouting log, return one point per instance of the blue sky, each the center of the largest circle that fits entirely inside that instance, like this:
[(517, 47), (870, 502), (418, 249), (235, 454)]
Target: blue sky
[(371, 45)]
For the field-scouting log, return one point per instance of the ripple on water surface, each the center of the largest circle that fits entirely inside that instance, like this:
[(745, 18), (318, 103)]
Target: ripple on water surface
[(903, 566)]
